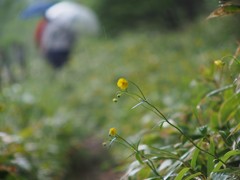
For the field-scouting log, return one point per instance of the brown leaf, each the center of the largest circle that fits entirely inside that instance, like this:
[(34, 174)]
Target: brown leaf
[(216, 13), (224, 10)]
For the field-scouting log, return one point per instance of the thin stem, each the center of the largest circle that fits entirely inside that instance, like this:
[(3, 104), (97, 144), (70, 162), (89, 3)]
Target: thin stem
[(160, 114), (133, 95), (144, 98), (149, 162), (152, 167), (179, 130), (130, 145)]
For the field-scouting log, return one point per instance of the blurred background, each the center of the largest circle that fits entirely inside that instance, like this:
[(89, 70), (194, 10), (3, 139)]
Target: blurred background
[(57, 84)]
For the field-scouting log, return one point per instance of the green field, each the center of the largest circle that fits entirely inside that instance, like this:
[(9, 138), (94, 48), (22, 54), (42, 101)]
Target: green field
[(54, 118)]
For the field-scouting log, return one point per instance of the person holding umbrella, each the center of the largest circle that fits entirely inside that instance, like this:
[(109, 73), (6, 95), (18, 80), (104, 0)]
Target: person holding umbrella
[(57, 32)]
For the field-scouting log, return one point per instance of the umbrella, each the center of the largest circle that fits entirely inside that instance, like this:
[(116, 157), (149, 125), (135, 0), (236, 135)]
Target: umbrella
[(74, 15), (36, 9), (65, 13)]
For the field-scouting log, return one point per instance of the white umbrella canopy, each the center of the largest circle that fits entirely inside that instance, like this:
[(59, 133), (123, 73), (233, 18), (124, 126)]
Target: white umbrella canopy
[(75, 16)]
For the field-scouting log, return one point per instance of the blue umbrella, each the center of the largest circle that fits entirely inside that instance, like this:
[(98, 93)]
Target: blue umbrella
[(36, 9)]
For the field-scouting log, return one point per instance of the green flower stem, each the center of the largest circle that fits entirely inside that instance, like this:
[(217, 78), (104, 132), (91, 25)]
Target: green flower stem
[(159, 113), (130, 145), (234, 58), (143, 97), (152, 167), (149, 162)]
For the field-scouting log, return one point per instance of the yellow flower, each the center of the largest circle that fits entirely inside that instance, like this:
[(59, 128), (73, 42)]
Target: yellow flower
[(219, 63), (112, 132), (122, 83)]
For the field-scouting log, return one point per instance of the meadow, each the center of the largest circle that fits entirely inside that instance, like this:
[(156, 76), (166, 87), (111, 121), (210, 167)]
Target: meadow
[(53, 123)]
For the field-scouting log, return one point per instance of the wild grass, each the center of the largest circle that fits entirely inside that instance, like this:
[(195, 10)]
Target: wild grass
[(49, 111)]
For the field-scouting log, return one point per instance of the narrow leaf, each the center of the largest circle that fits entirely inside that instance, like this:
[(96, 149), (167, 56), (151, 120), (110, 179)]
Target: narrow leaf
[(138, 104), (195, 155), (237, 83), (225, 158), (229, 173), (235, 130), (229, 107), (210, 159), (217, 91), (193, 176), (139, 158), (181, 173), (162, 153)]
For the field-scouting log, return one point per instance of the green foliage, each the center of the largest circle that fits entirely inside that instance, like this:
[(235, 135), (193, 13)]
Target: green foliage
[(181, 173), (216, 146), (209, 145), (48, 118), (232, 173), (8, 9)]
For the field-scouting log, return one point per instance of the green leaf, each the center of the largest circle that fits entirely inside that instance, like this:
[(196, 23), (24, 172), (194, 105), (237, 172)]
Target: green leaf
[(195, 155), (210, 159), (162, 153), (153, 178), (228, 108), (232, 9), (236, 129), (181, 173), (225, 158), (220, 90), (144, 173), (138, 143), (233, 174), (139, 158), (193, 176)]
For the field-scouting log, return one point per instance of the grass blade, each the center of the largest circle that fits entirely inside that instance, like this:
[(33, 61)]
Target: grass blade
[(225, 158), (195, 155), (193, 176), (181, 173)]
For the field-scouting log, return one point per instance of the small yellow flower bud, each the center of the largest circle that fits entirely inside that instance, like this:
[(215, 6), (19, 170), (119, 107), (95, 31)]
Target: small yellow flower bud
[(122, 84), (118, 95), (112, 132), (114, 100), (219, 63)]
